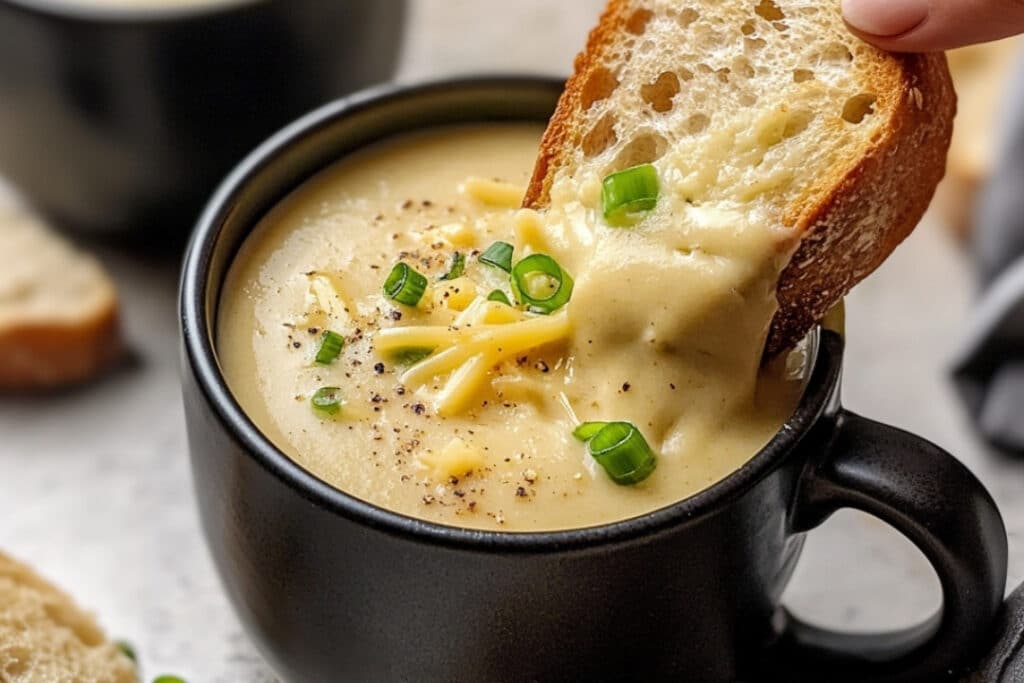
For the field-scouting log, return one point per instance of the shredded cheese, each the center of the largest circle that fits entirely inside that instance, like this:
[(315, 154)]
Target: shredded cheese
[(459, 234), (325, 304), (456, 459), (455, 294), (463, 384), (494, 192), (529, 230), (484, 335)]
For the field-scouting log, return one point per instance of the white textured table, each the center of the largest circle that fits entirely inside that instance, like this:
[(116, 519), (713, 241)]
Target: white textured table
[(95, 490)]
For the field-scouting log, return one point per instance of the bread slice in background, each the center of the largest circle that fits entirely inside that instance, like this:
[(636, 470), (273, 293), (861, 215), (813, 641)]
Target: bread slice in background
[(852, 141), (46, 638), (982, 75), (58, 309)]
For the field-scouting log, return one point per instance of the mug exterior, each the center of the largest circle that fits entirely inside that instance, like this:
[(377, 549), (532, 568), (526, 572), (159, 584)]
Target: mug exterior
[(121, 120), (332, 588)]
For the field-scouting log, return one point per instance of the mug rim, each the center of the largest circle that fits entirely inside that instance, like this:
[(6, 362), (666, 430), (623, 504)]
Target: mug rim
[(116, 14), (200, 361)]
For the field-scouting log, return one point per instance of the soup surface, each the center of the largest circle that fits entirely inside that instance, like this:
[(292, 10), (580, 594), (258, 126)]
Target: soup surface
[(664, 330)]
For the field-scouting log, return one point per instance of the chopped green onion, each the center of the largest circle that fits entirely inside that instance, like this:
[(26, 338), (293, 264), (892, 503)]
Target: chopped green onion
[(330, 348), (127, 650), (457, 267), (168, 679), (405, 285), (500, 296), (626, 194), (622, 451), (499, 255), (539, 283), (586, 431), (410, 356), (327, 400)]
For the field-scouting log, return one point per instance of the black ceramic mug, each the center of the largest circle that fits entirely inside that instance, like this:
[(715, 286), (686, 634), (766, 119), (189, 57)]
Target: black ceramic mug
[(331, 588), (122, 119)]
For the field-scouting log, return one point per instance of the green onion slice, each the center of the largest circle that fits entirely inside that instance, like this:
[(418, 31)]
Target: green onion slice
[(626, 194), (410, 356), (499, 255), (457, 268), (500, 296), (622, 451), (405, 285), (327, 400), (330, 348), (540, 284), (586, 431), (127, 650), (168, 679)]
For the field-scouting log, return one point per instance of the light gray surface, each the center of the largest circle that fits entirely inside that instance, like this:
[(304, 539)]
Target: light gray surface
[(95, 490)]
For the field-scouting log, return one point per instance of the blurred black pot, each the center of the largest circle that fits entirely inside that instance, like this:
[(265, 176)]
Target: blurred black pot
[(119, 120)]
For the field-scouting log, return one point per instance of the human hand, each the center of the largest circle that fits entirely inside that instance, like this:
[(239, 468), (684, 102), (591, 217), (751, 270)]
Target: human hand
[(929, 25)]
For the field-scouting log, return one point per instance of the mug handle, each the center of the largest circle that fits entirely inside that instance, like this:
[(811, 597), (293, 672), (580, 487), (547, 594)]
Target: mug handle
[(933, 500)]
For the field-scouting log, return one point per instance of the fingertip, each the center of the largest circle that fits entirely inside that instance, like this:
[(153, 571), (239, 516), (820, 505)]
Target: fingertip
[(884, 18)]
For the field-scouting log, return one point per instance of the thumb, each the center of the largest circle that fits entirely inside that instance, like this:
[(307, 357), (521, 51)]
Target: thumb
[(930, 25)]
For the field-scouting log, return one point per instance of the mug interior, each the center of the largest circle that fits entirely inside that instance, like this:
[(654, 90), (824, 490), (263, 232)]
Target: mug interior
[(323, 137)]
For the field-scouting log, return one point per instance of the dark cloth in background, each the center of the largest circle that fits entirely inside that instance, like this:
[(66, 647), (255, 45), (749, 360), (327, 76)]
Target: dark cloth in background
[(989, 371), (1005, 662)]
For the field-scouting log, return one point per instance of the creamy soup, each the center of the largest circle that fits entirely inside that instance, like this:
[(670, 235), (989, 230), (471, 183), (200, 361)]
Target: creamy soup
[(462, 409)]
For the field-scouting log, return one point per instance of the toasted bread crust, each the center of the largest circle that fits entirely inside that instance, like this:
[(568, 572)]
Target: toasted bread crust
[(47, 356), (563, 132), (864, 213), (847, 223)]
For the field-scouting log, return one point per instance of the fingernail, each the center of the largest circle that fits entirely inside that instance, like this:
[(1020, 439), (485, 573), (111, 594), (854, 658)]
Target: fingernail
[(885, 17)]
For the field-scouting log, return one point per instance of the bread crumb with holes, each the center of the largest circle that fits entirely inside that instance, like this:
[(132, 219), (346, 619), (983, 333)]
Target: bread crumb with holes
[(45, 637)]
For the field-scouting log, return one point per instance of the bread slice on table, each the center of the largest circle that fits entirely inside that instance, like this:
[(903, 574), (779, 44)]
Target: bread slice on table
[(58, 309), (46, 638), (780, 113)]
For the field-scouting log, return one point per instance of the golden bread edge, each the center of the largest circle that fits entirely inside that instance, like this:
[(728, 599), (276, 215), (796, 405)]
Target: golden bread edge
[(40, 356), (558, 137)]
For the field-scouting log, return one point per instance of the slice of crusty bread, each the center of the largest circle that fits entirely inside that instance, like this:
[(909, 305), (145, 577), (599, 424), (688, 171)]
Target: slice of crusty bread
[(58, 308), (46, 638), (851, 141)]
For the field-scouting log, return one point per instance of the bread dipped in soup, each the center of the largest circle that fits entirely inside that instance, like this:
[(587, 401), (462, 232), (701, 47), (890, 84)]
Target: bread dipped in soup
[(452, 327)]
